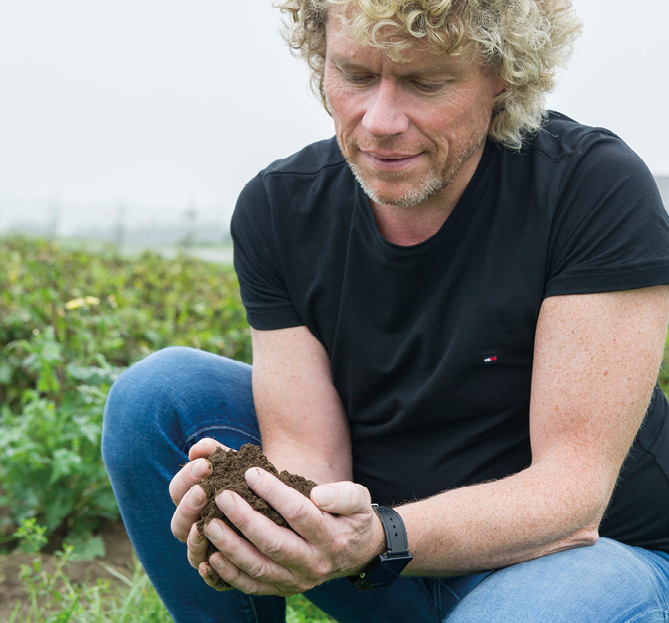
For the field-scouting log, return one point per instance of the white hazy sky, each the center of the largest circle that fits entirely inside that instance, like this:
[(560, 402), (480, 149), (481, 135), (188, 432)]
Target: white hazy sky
[(168, 103)]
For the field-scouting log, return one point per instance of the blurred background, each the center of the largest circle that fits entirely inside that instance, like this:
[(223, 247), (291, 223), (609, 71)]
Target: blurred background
[(138, 122)]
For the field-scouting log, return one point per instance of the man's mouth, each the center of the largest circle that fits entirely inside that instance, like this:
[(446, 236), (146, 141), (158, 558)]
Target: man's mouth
[(390, 161)]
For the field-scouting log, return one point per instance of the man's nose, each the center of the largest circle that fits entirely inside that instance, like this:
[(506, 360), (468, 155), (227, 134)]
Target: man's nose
[(385, 114)]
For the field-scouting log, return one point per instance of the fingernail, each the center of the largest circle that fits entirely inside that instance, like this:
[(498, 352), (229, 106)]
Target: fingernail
[(253, 476), (197, 496), (225, 502), (213, 531), (200, 469), (323, 496), (217, 562), (196, 539)]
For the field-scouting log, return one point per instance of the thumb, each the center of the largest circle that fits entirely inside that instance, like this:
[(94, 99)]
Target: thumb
[(204, 447), (342, 498)]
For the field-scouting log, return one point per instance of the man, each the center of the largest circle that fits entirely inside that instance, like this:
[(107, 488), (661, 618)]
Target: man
[(458, 311)]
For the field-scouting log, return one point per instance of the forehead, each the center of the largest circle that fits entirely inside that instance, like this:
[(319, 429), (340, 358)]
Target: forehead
[(406, 54)]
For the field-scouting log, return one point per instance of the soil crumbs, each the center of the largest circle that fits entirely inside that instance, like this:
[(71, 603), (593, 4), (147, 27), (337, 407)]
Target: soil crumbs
[(229, 467)]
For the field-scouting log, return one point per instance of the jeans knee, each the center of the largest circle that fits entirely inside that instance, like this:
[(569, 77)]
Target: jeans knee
[(150, 380), (169, 396), (134, 398)]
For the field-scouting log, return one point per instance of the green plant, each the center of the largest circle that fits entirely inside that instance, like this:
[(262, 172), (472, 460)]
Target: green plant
[(70, 322), (299, 610), (53, 598), (50, 462), (31, 536)]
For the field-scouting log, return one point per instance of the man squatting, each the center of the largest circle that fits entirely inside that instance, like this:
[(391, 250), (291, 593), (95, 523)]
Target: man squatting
[(458, 310)]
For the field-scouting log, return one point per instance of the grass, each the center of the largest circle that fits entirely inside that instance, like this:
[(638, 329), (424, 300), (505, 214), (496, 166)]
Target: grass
[(53, 598)]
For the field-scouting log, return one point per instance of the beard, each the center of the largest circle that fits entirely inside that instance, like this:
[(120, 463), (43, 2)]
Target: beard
[(425, 188), (428, 185)]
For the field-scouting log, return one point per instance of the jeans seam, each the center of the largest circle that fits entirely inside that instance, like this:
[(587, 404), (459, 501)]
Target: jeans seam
[(253, 609), (437, 600), (639, 616), (236, 429)]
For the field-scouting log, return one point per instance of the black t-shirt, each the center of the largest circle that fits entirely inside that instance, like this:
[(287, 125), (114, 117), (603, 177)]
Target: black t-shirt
[(431, 345)]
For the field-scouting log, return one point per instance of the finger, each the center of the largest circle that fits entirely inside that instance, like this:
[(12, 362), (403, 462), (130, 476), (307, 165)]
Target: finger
[(243, 554), (203, 448), (210, 577), (188, 512), (342, 498), (295, 508), (186, 477), (197, 547), (234, 576)]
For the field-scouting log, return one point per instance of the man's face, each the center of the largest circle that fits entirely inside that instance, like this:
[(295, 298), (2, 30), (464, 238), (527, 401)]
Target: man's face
[(411, 130)]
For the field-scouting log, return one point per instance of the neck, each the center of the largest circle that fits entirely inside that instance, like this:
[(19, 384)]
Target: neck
[(407, 226)]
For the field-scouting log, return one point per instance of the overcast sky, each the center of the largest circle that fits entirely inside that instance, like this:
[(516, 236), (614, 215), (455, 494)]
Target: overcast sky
[(167, 104)]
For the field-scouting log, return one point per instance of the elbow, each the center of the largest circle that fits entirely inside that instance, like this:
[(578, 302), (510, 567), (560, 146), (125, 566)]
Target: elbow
[(583, 537)]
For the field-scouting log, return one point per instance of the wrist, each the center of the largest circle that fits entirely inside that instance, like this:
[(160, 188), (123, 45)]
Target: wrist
[(393, 556), (376, 545)]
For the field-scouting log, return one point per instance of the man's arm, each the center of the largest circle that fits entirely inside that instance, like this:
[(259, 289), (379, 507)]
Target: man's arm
[(304, 429), (595, 364), (596, 361), (303, 425)]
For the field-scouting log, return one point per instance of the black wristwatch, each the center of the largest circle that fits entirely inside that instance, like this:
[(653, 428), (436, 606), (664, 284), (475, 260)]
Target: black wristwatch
[(386, 567)]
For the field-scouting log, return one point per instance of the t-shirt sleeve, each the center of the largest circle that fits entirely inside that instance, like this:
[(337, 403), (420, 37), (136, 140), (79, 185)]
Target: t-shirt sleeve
[(610, 230), (263, 289)]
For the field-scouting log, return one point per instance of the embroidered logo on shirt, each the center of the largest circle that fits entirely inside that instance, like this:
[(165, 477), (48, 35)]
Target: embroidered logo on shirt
[(489, 358)]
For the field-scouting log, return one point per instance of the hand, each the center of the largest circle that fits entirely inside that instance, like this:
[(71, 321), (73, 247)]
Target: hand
[(336, 534), (187, 496)]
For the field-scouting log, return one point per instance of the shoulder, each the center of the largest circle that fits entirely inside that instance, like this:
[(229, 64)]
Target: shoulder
[(565, 158), (561, 139), (296, 192), (314, 159), (291, 180)]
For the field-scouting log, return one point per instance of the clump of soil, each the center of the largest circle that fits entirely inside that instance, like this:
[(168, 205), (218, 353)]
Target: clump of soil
[(229, 467)]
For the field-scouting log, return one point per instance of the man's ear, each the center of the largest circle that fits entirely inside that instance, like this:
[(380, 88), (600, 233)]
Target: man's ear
[(498, 85)]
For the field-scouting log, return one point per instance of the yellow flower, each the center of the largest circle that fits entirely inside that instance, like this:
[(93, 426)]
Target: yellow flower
[(75, 304), (82, 302)]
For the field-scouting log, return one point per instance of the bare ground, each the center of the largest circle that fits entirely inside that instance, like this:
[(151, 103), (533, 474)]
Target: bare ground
[(119, 555)]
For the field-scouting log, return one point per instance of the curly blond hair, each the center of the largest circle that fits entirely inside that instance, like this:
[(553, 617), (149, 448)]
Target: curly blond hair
[(522, 41)]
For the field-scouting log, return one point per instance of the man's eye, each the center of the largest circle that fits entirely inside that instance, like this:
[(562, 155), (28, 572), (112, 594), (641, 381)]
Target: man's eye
[(427, 87), (358, 78)]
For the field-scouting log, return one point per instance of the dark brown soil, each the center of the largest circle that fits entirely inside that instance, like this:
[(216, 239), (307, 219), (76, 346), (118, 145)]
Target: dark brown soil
[(229, 468)]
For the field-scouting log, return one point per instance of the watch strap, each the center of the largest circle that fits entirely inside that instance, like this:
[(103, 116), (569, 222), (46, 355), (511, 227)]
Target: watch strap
[(397, 543), (386, 568)]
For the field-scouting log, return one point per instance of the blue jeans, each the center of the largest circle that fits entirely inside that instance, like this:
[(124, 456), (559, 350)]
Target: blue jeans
[(161, 406)]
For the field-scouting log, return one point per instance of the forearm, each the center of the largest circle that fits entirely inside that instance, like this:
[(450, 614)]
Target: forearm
[(536, 512), (303, 425), (317, 462)]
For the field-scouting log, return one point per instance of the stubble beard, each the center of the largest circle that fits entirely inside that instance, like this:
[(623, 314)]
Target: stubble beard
[(426, 187)]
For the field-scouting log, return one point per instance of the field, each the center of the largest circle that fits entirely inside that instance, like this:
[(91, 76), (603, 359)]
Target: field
[(70, 322)]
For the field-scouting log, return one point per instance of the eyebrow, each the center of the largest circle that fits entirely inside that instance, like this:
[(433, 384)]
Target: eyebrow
[(347, 63)]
